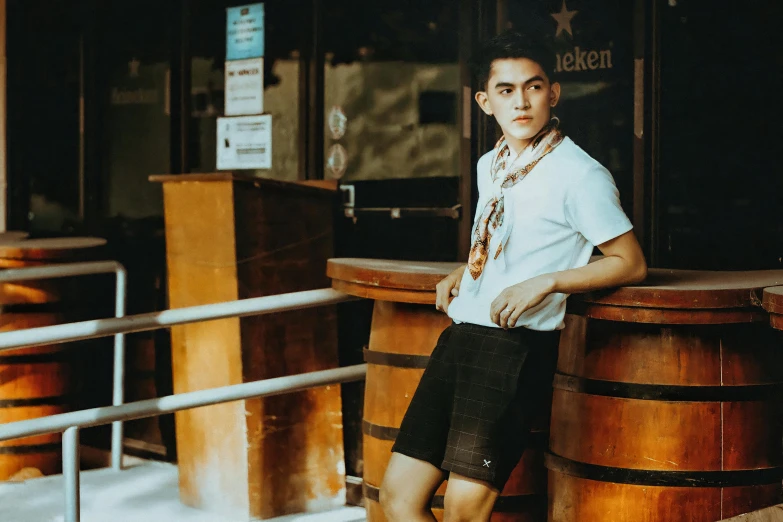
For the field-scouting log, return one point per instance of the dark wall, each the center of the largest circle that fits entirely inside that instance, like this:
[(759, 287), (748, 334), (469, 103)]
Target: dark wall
[(721, 189)]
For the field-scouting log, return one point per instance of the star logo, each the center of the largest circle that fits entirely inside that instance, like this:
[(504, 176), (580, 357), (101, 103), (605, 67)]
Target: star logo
[(487, 463), (133, 68), (563, 19)]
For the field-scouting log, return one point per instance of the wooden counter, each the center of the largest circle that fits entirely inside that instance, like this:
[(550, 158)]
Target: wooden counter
[(232, 237)]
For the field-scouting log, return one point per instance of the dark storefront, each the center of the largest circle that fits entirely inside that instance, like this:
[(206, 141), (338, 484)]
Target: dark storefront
[(678, 101)]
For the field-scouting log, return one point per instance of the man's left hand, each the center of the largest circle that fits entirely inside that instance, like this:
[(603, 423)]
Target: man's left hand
[(516, 300)]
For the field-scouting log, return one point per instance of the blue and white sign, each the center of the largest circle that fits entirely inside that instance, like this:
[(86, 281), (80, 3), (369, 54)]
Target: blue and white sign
[(245, 32)]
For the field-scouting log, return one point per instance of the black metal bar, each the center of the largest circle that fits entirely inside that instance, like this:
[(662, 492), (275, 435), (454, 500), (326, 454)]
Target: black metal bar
[(398, 360), (54, 400), (28, 449), (314, 96), (39, 358), (377, 431), (644, 477), (665, 392), (180, 86)]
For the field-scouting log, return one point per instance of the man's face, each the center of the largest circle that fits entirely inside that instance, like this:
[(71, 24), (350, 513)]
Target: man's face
[(520, 97)]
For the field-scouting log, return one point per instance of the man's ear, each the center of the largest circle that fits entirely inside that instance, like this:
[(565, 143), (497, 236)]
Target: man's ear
[(554, 94), (483, 102)]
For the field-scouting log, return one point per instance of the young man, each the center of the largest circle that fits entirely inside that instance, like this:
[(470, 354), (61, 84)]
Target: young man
[(543, 204)]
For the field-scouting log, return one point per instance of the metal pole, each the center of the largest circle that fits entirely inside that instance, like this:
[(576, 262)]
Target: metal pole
[(118, 395), (71, 473), (152, 321), (57, 271), (181, 401)]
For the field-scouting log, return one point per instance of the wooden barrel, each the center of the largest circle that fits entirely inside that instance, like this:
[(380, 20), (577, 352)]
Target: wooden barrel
[(37, 381), (405, 329), (12, 235), (773, 303), (667, 402)]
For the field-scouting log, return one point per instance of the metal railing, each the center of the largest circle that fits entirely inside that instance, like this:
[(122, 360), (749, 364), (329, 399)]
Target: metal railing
[(69, 423), (59, 271)]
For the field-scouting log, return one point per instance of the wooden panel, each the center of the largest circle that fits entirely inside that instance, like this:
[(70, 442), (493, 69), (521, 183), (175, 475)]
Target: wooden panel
[(405, 328), (636, 353), (629, 314), (582, 500), (635, 433), (284, 237), (200, 252), (388, 393)]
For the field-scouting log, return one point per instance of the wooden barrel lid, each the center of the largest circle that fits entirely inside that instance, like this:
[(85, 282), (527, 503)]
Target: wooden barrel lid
[(388, 280), (13, 235), (692, 290), (50, 248)]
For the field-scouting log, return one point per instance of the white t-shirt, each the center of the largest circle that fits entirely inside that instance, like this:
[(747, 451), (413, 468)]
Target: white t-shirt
[(567, 204)]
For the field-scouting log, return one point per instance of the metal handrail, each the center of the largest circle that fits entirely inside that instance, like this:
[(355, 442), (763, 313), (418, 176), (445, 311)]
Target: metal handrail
[(70, 423), (62, 333), (58, 271), (182, 401)]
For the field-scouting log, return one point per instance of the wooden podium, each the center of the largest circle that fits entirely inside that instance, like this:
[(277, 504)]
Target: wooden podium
[(232, 237)]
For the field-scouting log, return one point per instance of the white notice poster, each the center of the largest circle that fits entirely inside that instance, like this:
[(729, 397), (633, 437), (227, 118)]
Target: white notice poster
[(245, 87), (244, 142)]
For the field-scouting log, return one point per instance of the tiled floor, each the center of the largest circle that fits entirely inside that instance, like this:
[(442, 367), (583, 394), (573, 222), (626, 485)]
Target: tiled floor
[(146, 492)]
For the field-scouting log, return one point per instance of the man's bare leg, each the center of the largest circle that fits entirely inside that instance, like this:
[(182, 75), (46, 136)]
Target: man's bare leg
[(407, 489), (468, 500)]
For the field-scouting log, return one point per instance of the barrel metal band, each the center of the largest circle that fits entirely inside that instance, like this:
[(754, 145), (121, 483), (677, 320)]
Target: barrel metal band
[(28, 449), (398, 360), (32, 308), (665, 392), (504, 504), (537, 439), (53, 400), (38, 358), (644, 477), (379, 432)]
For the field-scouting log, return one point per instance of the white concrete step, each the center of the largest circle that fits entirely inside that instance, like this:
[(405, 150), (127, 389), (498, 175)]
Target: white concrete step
[(145, 492)]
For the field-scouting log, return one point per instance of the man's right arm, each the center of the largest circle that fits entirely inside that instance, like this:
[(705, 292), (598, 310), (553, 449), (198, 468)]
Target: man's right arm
[(448, 288)]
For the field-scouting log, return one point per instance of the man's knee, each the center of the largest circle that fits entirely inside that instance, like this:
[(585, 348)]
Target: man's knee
[(465, 511), (468, 500), (396, 504)]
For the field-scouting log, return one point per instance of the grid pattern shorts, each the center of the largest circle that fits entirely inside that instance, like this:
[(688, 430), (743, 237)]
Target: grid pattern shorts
[(472, 410)]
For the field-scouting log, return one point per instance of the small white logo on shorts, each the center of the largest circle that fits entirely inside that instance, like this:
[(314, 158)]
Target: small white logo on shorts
[(486, 463)]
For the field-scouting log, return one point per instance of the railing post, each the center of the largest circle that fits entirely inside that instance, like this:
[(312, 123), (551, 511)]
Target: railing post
[(118, 381), (71, 474)]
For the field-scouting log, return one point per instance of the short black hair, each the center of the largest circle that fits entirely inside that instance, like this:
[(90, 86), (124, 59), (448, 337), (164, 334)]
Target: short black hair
[(512, 45)]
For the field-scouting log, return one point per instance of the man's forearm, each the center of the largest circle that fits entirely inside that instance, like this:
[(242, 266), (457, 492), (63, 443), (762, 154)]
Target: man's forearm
[(608, 272)]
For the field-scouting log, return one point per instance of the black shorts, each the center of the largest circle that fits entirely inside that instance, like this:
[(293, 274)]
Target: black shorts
[(472, 410)]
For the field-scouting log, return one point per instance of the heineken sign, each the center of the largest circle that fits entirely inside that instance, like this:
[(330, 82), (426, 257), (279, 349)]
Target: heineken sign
[(578, 58)]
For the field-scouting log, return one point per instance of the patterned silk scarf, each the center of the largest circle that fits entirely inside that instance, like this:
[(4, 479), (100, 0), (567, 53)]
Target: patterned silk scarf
[(505, 174)]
